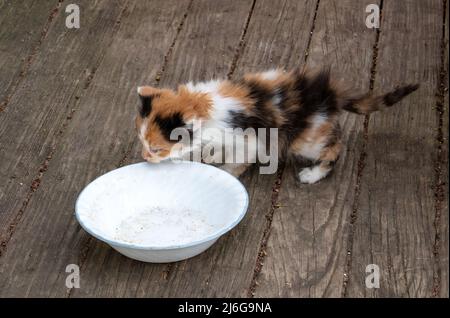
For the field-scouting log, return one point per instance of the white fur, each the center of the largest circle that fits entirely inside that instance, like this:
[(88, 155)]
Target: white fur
[(271, 74), (204, 87), (318, 120), (213, 129), (220, 105), (142, 132), (276, 100), (312, 175), (221, 108), (311, 148)]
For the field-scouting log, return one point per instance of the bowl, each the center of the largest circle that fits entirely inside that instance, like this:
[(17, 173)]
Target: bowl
[(163, 212)]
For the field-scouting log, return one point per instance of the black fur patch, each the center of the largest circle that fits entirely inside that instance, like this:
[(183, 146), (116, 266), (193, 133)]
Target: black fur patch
[(316, 94), (331, 164), (312, 96), (262, 113), (146, 105), (395, 96), (315, 97), (282, 93), (349, 104), (168, 124)]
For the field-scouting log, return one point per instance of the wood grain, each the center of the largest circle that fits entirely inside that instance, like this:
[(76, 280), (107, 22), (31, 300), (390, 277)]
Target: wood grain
[(307, 250), (48, 237), (199, 54), (70, 104), (31, 125), (394, 228), (227, 269), (24, 25)]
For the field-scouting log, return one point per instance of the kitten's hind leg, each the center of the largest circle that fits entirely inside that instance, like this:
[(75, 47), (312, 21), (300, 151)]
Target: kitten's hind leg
[(315, 173), (328, 157)]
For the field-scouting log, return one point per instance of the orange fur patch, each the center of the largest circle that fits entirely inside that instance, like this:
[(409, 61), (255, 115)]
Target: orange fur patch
[(316, 135), (331, 153), (167, 102), (228, 89)]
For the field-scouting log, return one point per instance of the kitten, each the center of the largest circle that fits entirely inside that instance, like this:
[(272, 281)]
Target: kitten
[(303, 106)]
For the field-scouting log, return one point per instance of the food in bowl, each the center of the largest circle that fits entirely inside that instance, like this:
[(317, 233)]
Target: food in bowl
[(151, 225)]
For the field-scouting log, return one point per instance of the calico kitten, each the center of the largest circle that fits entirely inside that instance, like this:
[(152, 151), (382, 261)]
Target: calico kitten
[(303, 106)]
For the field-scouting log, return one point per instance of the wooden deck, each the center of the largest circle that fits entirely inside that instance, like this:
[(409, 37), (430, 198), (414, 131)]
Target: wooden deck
[(66, 110)]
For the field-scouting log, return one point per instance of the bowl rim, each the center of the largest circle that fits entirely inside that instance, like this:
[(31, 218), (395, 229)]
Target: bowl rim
[(208, 238)]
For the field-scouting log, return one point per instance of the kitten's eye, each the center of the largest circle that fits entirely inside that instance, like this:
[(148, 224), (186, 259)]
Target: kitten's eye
[(155, 150)]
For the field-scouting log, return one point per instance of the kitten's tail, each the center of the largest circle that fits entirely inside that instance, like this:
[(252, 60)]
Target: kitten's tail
[(368, 103)]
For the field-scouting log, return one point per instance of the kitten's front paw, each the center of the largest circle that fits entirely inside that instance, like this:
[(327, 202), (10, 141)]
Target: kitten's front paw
[(310, 175)]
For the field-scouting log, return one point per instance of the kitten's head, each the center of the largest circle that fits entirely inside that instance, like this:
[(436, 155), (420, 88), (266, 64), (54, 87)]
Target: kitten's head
[(160, 112)]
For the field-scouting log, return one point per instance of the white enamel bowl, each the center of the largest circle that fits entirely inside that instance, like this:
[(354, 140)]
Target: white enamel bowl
[(114, 197)]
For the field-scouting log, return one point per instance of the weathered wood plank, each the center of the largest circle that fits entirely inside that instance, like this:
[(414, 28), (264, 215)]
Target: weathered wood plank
[(394, 229), (24, 24), (48, 238), (33, 120), (307, 249), (204, 49), (226, 270)]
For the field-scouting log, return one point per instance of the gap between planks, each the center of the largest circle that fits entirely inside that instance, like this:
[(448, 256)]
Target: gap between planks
[(439, 184), (361, 163), (35, 183), (239, 49), (241, 45), (157, 79), (85, 248), (30, 58), (438, 187), (439, 111), (275, 191)]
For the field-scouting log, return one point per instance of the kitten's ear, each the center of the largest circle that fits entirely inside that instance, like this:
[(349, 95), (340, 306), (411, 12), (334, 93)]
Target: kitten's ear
[(145, 95)]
